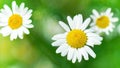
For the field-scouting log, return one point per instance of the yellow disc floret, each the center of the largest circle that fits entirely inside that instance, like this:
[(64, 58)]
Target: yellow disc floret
[(76, 38), (15, 21), (103, 22)]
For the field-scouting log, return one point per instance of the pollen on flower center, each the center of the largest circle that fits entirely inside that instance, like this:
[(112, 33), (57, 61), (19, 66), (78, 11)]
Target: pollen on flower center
[(102, 22), (76, 38), (15, 21)]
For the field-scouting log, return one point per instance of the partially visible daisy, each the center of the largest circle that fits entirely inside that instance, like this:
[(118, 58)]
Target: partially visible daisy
[(118, 28), (76, 40), (103, 22), (15, 21)]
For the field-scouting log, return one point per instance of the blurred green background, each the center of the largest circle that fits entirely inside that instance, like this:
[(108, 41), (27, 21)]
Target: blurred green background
[(35, 50)]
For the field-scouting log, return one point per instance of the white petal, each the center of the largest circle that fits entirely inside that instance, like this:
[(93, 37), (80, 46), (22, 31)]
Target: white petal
[(111, 29), (89, 30), (89, 43), (84, 53), (112, 26), (14, 7), (4, 16), (74, 56), (98, 38), (90, 51), (59, 36), (111, 14), (94, 41), (27, 15), (107, 33), (70, 53), (13, 35), (95, 37), (8, 10), (60, 49), (5, 31), (29, 12), (95, 13), (93, 17), (25, 30), (115, 19), (24, 11), (20, 33), (65, 51), (27, 22), (85, 24), (79, 55), (70, 22), (4, 20), (64, 26), (58, 42), (28, 26), (108, 11), (22, 5), (78, 21), (92, 34), (3, 24)]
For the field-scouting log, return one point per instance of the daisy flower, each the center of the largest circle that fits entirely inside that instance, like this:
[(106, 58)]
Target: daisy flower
[(15, 21), (76, 40), (118, 28), (103, 22)]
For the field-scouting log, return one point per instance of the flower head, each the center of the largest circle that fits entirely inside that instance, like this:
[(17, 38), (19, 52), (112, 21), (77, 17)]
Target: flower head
[(15, 21), (103, 22), (76, 40)]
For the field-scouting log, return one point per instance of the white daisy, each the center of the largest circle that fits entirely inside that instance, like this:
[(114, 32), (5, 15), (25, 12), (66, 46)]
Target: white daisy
[(118, 28), (15, 21), (103, 22), (76, 40)]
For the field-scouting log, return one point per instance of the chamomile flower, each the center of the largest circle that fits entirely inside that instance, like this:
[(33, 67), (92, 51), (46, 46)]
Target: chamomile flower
[(103, 22), (76, 41), (118, 28), (15, 21)]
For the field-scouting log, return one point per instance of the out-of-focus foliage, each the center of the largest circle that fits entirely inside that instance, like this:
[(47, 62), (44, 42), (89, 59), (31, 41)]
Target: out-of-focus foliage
[(35, 50)]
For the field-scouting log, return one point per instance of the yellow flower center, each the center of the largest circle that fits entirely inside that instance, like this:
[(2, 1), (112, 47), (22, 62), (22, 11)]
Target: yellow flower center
[(103, 22), (76, 38), (15, 21)]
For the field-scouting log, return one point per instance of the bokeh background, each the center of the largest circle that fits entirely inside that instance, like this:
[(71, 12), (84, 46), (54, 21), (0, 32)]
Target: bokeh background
[(35, 50)]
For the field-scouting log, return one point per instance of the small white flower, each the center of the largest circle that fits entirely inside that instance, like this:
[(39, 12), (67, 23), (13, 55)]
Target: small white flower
[(118, 28), (15, 21), (76, 40), (103, 22)]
